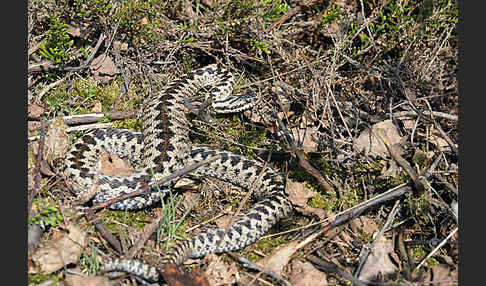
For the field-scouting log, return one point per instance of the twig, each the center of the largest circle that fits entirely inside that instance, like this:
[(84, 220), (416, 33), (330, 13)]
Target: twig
[(93, 117), (78, 128), (369, 247), (427, 113), (302, 160), (38, 98), (331, 267), (124, 89), (103, 230), (437, 248), (146, 233), (294, 11), (250, 265), (417, 183), (37, 167)]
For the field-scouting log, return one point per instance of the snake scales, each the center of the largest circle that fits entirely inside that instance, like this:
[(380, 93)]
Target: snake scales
[(162, 148)]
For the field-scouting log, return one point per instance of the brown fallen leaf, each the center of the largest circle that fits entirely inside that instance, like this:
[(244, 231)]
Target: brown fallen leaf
[(365, 224), (67, 250), (112, 165), (73, 279), (176, 277), (303, 138), (97, 107), (279, 257), (442, 275), (379, 263), (35, 111), (56, 144), (120, 46), (368, 141), (305, 274), (218, 272), (299, 194), (103, 68), (73, 31)]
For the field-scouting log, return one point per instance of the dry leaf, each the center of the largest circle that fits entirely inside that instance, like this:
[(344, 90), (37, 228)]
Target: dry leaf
[(97, 107), (279, 257), (442, 272), (299, 194), (440, 142), (73, 31), (176, 277), (219, 272), (365, 224), (369, 142), (112, 165), (120, 46), (82, 280), (189, 199), (56, 143), (103, 68), (35, 111), (305, 274), (187, 184), (379, 263), (303, 138), (68, 249)]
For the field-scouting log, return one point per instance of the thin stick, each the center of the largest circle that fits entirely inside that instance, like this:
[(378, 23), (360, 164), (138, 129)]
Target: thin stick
[(368, 248), (38, 98), (93, 117), (331, 267), (302, 160), (435, 249), (37, 167), (103, 230), (250, 265), (427, 113)]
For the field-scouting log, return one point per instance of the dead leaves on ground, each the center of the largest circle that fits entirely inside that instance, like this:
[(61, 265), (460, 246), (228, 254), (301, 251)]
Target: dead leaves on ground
[(299, 194), (378, 263), (103, 68), (305, 274), (56, 255), (370, 141)]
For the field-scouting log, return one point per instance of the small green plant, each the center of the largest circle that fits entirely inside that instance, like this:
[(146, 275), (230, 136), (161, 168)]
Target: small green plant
[(55, 48), (169, 226), (48, 216), (89, 261), (332, 14), (258, 46)]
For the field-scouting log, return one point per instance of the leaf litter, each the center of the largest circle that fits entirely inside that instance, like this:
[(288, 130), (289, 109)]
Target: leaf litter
[(299, 62)]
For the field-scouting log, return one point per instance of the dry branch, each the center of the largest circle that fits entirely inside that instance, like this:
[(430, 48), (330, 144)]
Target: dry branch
[(90, 118)]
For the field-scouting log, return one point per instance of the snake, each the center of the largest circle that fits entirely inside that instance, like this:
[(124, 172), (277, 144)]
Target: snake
[(163, 147)]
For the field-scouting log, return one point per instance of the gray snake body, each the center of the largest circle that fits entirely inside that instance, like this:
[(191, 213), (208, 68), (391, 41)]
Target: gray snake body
[(164, 147)]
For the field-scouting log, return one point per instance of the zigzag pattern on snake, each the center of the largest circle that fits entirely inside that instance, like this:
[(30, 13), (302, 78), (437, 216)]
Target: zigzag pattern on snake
[(162, 148)]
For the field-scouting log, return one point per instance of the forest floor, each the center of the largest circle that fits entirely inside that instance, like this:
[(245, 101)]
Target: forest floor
[(358, 108)]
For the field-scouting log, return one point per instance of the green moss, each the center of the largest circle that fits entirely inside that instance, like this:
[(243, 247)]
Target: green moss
[(130, 123), (38, 278), (48, 213), (79, 96), (265, 245), (136, 219)]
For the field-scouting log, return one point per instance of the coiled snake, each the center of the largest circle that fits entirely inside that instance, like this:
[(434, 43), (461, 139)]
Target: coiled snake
[(162, 148)]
